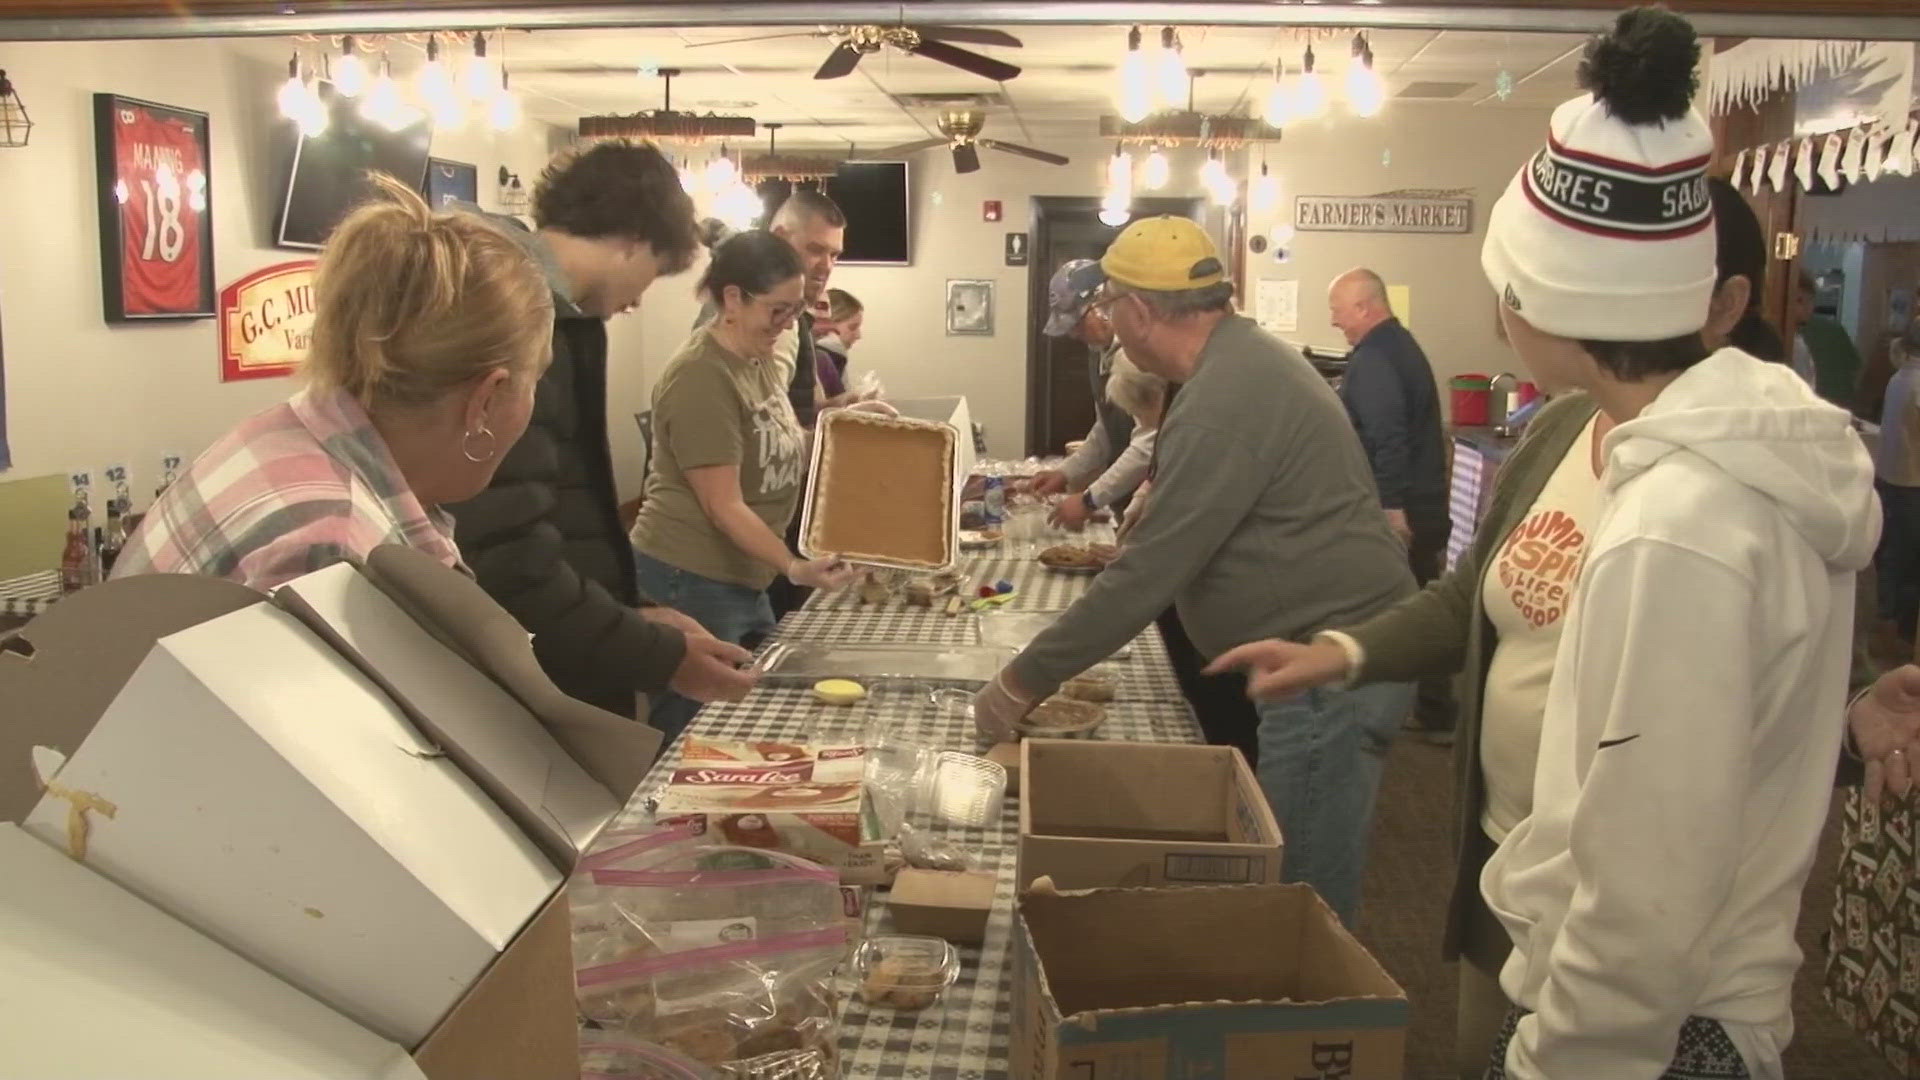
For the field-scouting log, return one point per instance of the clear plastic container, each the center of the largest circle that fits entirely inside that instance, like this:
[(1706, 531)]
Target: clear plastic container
[(968, 790), (905, 972)]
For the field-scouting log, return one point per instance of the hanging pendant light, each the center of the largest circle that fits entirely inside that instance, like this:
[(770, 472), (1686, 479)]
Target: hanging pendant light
[(503, 112), (1279, 100), (16, 127), (1215, 178), (1135, 92), (299, 100), (350, 76), (483, 80), (1309, 97), (1155, 173), (1114, 209), (1366, 90), (1170, 74), (435, 88), (384, 105), (1265, 192)]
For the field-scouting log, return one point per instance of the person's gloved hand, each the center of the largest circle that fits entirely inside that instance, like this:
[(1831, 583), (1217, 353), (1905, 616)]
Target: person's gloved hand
[(998, 706), (829, 572)]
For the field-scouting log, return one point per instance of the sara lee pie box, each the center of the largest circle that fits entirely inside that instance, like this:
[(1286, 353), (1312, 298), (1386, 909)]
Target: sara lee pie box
[(1227, 981), (809, 801), (364, 799)]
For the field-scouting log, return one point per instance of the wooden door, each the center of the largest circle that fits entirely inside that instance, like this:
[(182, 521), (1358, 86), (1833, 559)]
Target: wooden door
[(1060, 403)]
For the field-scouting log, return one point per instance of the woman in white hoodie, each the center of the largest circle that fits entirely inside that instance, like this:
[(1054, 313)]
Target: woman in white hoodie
[(1686, 757)]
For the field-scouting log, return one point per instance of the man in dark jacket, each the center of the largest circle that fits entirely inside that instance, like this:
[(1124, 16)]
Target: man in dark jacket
[(544, 539), (1389, 393)]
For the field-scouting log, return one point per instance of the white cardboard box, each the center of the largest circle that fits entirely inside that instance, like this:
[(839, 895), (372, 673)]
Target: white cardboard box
[(268, 794), (491, 736), (95, 984)]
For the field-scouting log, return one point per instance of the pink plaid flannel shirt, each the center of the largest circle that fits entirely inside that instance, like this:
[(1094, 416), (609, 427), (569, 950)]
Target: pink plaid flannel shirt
[(296, 488)]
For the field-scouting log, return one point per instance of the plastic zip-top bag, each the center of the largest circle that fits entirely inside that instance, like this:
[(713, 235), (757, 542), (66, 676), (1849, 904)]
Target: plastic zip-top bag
[(606, 1055), (722, 954)]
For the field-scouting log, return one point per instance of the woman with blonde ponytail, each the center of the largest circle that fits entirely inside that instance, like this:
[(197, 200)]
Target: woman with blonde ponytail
[(430, 332)]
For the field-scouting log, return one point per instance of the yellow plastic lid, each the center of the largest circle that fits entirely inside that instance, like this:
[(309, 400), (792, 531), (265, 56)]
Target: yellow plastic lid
[(839, 691)]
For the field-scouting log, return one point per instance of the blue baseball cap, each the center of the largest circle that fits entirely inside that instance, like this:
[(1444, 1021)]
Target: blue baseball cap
[(1070, 293)]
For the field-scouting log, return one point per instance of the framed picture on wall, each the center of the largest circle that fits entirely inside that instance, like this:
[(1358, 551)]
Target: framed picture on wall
[(969, 307), (451, 182), (156, 210)]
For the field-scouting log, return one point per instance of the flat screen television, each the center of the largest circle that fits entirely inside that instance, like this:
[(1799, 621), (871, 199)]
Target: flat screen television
[(329, 174), (875, 198)]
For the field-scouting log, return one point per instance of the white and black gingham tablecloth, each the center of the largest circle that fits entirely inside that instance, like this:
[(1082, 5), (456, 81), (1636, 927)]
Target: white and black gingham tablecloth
[(29, 595), (966, 1035)]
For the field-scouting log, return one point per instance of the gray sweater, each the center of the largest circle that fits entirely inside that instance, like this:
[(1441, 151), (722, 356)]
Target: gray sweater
[(1263, 522)]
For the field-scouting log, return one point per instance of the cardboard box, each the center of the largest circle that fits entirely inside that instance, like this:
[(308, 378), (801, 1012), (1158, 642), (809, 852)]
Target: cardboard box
[(943, 904), (482, 729), (514, 1014), (809, 801), (1095, 813), (95, 982), (1238, 981), (1007, 756)]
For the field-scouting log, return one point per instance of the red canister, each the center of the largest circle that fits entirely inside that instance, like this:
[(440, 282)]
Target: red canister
[(1525, 394), (1471, 397)]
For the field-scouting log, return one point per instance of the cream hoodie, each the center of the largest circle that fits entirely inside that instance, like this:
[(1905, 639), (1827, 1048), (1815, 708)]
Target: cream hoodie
[(1686, 758)]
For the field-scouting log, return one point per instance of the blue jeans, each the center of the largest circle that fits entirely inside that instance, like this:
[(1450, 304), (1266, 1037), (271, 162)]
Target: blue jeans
[(1898, 559), (1321, 755), (730, 612)]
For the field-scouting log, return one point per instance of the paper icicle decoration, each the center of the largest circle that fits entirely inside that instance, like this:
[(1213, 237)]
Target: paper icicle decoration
[(1855, 156), (1758, 173), (1830, 162), (1746, 74), (1777, 171), (1900, 154), (1877, 142), (1803, 164), (1739, 177)]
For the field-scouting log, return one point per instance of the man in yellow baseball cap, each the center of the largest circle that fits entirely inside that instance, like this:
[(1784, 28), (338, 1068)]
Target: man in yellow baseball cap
[(1263, 523)]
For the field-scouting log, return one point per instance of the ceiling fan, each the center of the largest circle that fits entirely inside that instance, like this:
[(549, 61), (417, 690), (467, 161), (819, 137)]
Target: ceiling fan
[(932, 42), (961, 128)]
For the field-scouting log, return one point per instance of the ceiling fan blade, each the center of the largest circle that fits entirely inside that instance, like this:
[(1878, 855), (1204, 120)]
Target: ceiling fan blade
[(966, 159), (910, 148), (971, 35), (1023, 151), (757, 37), (840, 62), (983, 66)]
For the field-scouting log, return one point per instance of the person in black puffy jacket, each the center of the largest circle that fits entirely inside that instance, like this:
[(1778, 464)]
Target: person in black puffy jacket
[(544, 539)]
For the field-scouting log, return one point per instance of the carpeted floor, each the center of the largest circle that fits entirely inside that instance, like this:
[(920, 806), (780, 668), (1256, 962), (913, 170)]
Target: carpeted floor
[(1409, 875)]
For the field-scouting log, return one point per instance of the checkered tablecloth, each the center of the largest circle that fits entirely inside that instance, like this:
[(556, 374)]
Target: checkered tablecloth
[(29, 595), (966, 1036)]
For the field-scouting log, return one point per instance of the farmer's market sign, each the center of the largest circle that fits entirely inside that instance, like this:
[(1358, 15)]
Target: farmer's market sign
[(1394, 212)]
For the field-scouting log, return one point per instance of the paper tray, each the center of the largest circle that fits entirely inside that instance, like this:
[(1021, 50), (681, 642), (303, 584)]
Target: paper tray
[(807, 662)]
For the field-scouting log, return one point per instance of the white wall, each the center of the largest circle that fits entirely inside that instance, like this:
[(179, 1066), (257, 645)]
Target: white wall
[(1408, 146), (81, 394)]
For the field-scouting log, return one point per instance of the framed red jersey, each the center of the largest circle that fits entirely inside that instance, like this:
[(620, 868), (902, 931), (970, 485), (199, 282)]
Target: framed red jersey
[(156, 210)]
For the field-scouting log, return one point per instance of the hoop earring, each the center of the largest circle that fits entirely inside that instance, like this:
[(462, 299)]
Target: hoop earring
[(492, 445)]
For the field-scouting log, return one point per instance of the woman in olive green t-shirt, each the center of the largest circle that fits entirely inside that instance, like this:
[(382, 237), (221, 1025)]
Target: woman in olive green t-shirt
[(729, 459)]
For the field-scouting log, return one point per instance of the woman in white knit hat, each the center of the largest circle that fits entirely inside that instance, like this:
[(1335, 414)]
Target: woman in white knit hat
[(1686, 757)]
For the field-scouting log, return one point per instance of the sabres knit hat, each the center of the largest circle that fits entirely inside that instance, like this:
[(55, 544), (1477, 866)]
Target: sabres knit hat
[(1607, 233)]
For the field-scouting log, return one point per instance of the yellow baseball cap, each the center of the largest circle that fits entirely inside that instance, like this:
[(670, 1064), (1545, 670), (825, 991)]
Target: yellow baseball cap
[(1164, 254)]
